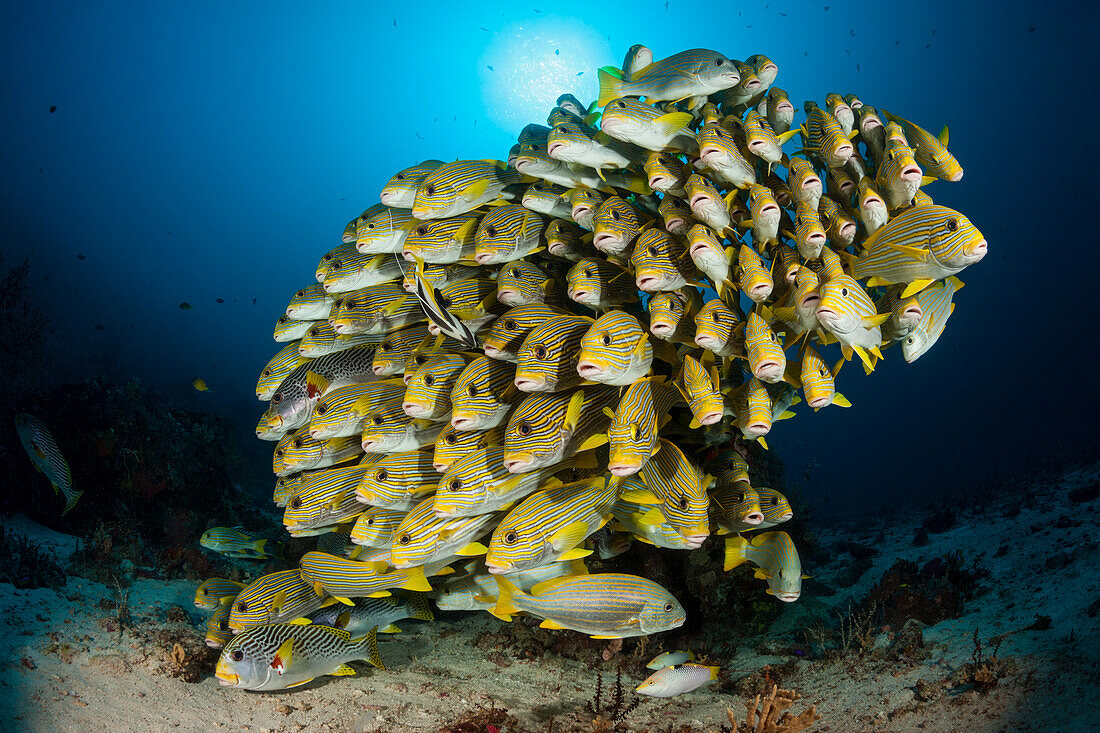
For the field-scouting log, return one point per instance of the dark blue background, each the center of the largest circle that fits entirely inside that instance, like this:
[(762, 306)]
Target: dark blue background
[(204, 150)]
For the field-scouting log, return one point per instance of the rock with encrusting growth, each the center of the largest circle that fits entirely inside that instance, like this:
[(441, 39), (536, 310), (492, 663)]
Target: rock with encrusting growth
[(772, 715)]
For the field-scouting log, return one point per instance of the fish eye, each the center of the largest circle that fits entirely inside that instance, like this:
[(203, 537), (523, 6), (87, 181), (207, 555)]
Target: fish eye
[(382, 475), (740, 495), (405, 539), (654, 251), (510, 538), (540, 352), (377, 420), (242, 607), (277, 398), (336, 265), (716, 318), (450, 439), (491, 231), (298, 443), (637, 430), (430, 190), (351, 304), (296, 503), (279, 452), (534, 146), (300, 294), (952, 225), (615, 215), (400, 176), (588, 272), (421, 231), (237, 655), (420, 359), (370, 225), (606, 339), (772, 501), (822, 371), (429, 380), (683, 502), (510, 325), (471, 390), (284, 320), (456, 485), (321, 409), (669, 607), (327, 257), (524, 428), (717, 62), (370, 521), (909, 340), (844, 292), (267, 372)]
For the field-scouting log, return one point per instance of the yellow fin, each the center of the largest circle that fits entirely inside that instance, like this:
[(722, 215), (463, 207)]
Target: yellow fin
[(875, 320), (609, 412), (573, 412), (391, 629), (345, 601), (841, 400), (343, 671), (604, 636), (416, 580), (316, 385), (472, 549), (283, 656), (651, 518), (593, 441), (673, 122), (570, 535), (640, 496), (475, 190), (380, 594), (575, 554), (548, 624), (915, 287), (918, 253), (300, 621)]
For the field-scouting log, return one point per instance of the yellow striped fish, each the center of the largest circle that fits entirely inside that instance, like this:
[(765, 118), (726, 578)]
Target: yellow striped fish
[(310, 303), (779, 110), (678, 488), (395, 348), (478, 591), (303, 452), (765, 216), (218, 632), (400, 190), (523, 283), (344, 579), (375, 527), (847, 312), (644, 523), (545, 198), (615, 225), (695, 72), (429, 348), (215, 592), (710, 257), (326, 497), (462, 186), (898, 176), (762, 141), (383, 231), (764, 350), (667, 174), (736, 507), (483, 394), (550, 525), (775, 506), (672, 315), (605, 605), (452, 444), (572, 143), (871, 131), (662, 262), (443, 241), (615, 350), (436, 275), (937, 305), (872, 206), (361, 271), (839, 227), (398, 481), (378, 309), (931, 150), (348, 248), (599, 284), (803, 181), (388, 429), (905, 314), (719, 329), (633, 436), (287, 329), (752, 409), (721, 156), (343, 411), (275, 597), (817, 382), (583, 204), (504, 338), (566, 239), (546, 428), (277, 369), (292, 403), (547, 361), (919, 245), (823, 135), (728, 467), (634, 121), (422, 537), (510, 232), (776, 558), (753, 276), (234, 542), (322, 339), (698, 382), (428, 396), (285, 486)]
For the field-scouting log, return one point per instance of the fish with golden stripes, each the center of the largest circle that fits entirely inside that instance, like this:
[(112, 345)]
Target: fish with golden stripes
[(215, 592), (696, 72), (936, 304), (615, 225), (343, 410), (633, 121), (428, 393), (634, 434), (375, 525), (599, 284), (548, 427), (678, 489), (380, 613), (615, 350), (547, 361), (462, 186), (273, 598), (483, 394), (399, 481), (452, 444), (522, 283), (661, 262), (508, 233), (327, 497), (775, 557), (345, 579), (400, 190), (672, 315), (424, 537), (847, 312)]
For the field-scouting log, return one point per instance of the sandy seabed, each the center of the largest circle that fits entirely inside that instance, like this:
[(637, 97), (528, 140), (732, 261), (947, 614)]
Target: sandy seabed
[(67, 667)]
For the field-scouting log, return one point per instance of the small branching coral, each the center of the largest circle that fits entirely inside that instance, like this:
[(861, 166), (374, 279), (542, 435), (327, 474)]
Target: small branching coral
[(24, 565), (768, 714), (611, 714)]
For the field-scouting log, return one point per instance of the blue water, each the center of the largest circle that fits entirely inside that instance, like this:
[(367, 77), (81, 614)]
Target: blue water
[(207, 150)]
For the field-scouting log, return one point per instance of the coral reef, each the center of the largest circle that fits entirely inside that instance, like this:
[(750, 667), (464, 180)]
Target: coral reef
[(769, 714), (929, 593)]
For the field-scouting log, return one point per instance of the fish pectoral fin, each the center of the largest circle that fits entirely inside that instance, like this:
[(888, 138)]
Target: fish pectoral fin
[(283, 656), (569, 536), (840, 400), (604, 636), (299, 684), (389, 629), (915, 287), (593, 441), (875, 320), (918, 253), (343, 671), (473, 549), (380, 594), (345, 601), (575, 554), (548, 624), (651, 518), (640, 496), (303, 621), (475, 190), (672, 122), (760, 574)]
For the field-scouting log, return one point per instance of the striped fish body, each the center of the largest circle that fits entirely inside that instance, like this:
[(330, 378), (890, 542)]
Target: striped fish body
[(478, 483), (754, 278), (550, 525), (809, 233), (765, 215), (767, 362), (633, 435), (233, 542), (361, 271), (661, 263), (898, 176), (42, 449), (279, 656), (615, 225), (483, 394), (782, 396), (400, 190), (545, 198), (709, 256), (571, 143), (378, 309), (905, 313), (322, 339), (804, 183), (547, 428), (718, 329), (437, 275), (798, 309), (344, 250), (699, 385), (721, 156), (547, 361), (641, 124), (343, 410), (775, 556), (473, 301), (391, 353), (583, 204), (598, 284), (680, 487), (478, 591), (326, 497), (937, 305), (672, 315), (752, 409), (343, 578), (272, 598), (676, 215), (871, 131), (817, 380), (533, 161), (422, 537), (872, 206), (523, 283), (779, 110), (369, 613), (840, 228), (841, 112), (667, 173), (443, 241), (508, 233), (728, 467), (566, 240), (744, 92), (375, 527), (637, 58), (277, 369), (218, 632), (736, 507), (931, 152), (215, 592), (504, 338), (462, 186), (390, 430), (695, 72), (615, 350), (920, 243), (775, 506), (288, 329), (292, 404), (609, 605), (426, 350), (639, 521), (707, 204), (761, 140), (823, 135), (453, 444), (309, 304), (847, 312), (428, 395), (285, 486), (302, 452), (398, 481)]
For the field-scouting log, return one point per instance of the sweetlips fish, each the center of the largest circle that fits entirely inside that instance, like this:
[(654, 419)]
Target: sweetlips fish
[(641, 124), (672, 315), (752, 409), (572, 143), (905, 314), (776, 560), (508, 233), (823, 135), (361, 271), (504, 338), (847, 312), (218, 632), (545, 198), (667, 174), (383, 233), (483, 394), (644, 522), (898, 176), (670, 659), (775, 507), (661, 262), (736, 507), (345, 579), (281, 656), (216, 592), (423, 537), (615, 225), (699, 384), (754, 278), (46, 457), (918, 246), (803, 182), (677, 487), (235, 542), (343, 410), (302, 452), (676, 215), (478, 483), (766, 215), (600, 284), (310, 303), (428, 394), (809, 233), (327, 497), (548, 427), (477, 591), (400, 190), (380, 613), (288, 329), (344, 250), (762, 141), (872, 131), (522, 283), (742, 94), (583, 204), (444, 241), (566, 240), (785, 264), (389, 429), (931, 150), (937, 305), (719, 329), (378, 309), (721, 156), (637, 58), (322, 339), (764, 350), (779, 110), (692, 73), (840, 228), (533, 161), (634, 434), (707, 204), (375, 526), (285, 486), (452, 444), (398, 481), (615, 350), (272, 598), (547, 361), (817, 382), (603, 605), (429, 347), (550, 525), (677, 679), (728, 467), (462, 186), (872, 206), (393, 351), (277, 369)]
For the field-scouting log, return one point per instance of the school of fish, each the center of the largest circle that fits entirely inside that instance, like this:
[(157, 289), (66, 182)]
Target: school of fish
[(510, 364)]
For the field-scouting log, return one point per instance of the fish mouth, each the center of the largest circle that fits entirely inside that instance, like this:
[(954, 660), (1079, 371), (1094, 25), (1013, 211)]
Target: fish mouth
[(956, 176), (753, 518), (578, 295), (710, 417), (555, 147), (507, 294), (527, 384), (225, 679), (817, 239), (979, 249), (784, 107), (444, 514), (518, 463), (622, 468), (369, 444), (707, 151), (751, 84), (695, 541), (757, 145), (698, 248), (704, 340), (769, 209), (658, 182), (698, 199), (497, 568), (484, 258), (848, 230), (588, 369), (649, 282), (787, 597), (603, 238), (675, 225), (811, 184), (847, 188), (760, 291), (757, 429), (818, 402), (843, 152), (491, 351), (911, 172), (415, 409), (913, 312), (439, 467), (522, 164), (582, 211), (768, 370), (826, 315), (809, 300)]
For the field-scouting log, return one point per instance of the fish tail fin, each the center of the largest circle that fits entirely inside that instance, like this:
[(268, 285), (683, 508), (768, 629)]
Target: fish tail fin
[(735, 552), (70, 500), (421, 611), (416, 580), (611, 84), (505, 606), (369, 646)]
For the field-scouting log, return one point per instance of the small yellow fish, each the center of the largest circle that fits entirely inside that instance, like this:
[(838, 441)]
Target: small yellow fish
[(200, 385)]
